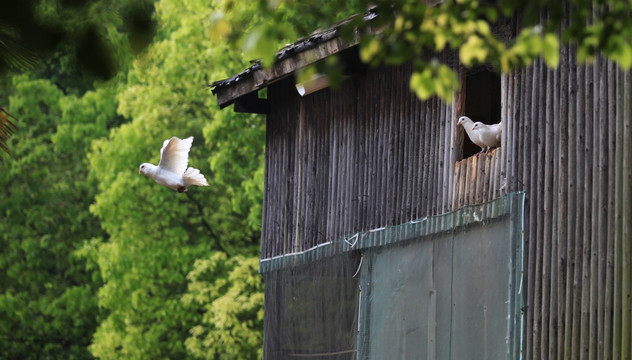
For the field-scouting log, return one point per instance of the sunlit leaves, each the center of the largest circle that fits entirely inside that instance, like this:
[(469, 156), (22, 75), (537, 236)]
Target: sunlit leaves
[(229, 292), (155, 234), (551, 50), (473, 51), (413, 31), (434, 79), (370, 50)]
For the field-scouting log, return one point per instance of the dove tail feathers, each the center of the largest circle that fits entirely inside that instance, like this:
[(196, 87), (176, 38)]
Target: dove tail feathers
[(193, 177)]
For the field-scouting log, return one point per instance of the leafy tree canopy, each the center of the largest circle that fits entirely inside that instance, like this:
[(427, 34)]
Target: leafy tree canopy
[(96, 260), (415, 31)]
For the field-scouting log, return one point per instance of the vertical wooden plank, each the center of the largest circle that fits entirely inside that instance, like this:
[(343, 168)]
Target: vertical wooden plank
[(385, 210), (609, 282), (526, 176), (504, 118), (532, 201), (396, 154), (569, 222), (594, 243), (587, 231), (342, 198), (374, 165), (541, 269), (547, 246), (427, 130), (578, 287), (626, 246), (515, 142), (439, 158), (618, 215), (298, 193), (412, 125), (432, 169), (379, 163), (455, 184), (448, 162), (602, 204), (554, 138), (422, 171), (562, 196)]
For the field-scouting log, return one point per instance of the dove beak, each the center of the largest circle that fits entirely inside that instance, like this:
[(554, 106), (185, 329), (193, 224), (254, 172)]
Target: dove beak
[(138, 171)]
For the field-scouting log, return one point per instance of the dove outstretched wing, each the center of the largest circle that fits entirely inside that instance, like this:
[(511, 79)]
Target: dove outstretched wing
[(174, 155)]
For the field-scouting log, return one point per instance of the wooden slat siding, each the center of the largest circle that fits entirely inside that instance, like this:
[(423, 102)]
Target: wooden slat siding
[(556, 322), (375, 144), (448, 158), (373, 155), (618, 217), (572, 200), (336, 170), (610, 218), (554, 140), (474, 178), (539, 219), (602, 215), (504, 116), (530, 211), (579, 228), (623, 155), (626, 304), (547, 214), (594, 236), (588, 146), (567, 196), (394, 153)]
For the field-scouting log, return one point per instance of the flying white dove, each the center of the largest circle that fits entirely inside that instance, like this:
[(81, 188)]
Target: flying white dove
[(170, 172), (468, 125), (489, 135)]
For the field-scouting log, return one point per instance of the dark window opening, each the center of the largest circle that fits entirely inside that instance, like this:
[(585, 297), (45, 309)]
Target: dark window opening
[(482, 102)]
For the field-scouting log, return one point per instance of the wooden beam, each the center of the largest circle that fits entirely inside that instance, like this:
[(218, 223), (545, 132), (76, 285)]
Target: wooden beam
[(262, 77)]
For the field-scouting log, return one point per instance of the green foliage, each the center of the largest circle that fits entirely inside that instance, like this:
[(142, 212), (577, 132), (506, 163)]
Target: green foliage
[(96, 260), (229, 293), (413, 31), (47, 299), (155, 235)]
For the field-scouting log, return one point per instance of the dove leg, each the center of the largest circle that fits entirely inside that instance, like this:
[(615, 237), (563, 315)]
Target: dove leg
[(182, 189)]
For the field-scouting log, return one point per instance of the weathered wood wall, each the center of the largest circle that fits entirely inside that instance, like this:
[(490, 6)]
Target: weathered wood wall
[(371, 155), (568, 146)]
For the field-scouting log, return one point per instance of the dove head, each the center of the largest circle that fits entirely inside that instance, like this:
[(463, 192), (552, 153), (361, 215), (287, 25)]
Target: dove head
[(477, 125), (462, 119), (144, 168)]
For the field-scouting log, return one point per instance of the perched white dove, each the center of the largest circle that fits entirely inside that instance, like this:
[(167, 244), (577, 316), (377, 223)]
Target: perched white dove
[(170, 172), (489, 135), (468, 125)]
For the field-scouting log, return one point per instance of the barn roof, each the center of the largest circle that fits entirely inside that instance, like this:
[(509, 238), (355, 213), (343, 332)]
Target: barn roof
[(241, 88)]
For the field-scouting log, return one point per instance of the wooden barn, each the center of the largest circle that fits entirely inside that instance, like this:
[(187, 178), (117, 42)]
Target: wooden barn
[(384, 238)]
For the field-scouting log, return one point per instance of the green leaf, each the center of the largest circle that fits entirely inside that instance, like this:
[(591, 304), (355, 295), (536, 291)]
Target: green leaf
[(422, 84), (473, 51), (551, 50)]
